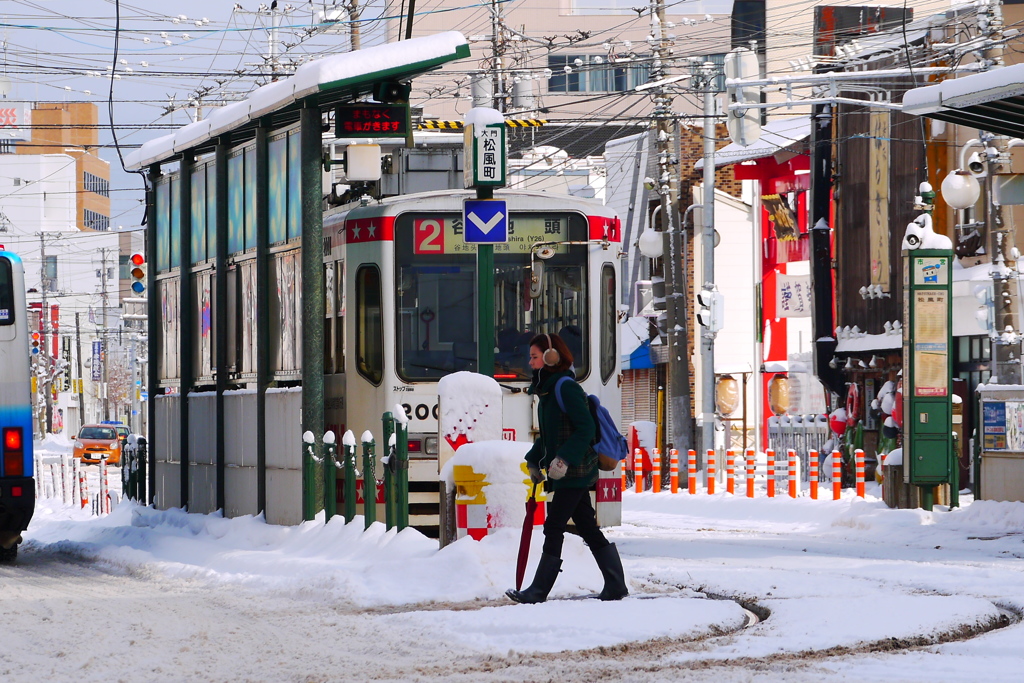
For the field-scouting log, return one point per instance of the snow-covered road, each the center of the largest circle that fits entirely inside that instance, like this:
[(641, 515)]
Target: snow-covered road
[(851, 591)]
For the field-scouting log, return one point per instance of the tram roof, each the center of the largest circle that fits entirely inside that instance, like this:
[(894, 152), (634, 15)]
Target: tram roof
[(334, 80)]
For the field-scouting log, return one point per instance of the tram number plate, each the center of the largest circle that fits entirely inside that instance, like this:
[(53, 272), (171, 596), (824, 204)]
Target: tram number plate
[(508, 435)]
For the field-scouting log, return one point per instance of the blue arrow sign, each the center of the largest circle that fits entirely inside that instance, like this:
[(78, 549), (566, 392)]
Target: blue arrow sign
[(485, 221)]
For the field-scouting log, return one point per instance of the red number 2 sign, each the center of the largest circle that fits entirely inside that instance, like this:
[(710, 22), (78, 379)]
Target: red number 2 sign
[(429, 236)]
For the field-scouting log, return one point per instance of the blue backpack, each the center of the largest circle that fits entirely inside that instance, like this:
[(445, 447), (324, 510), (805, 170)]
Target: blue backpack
[(609, 444)]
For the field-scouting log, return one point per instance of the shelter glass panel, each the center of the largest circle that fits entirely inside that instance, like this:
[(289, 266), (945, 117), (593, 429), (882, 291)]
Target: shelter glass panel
[(250, 198), (277, 159), (236, 202), (163, 225), (199, 214), (294, 186), (175, 197), (211, 210)]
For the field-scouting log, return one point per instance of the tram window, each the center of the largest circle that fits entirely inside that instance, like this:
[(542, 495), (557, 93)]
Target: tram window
[(7, 309), (369, 330), (606, 326), (436, 304)]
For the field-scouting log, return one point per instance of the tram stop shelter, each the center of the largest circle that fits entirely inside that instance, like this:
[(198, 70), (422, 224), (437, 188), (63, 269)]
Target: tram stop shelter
[(235, 209)]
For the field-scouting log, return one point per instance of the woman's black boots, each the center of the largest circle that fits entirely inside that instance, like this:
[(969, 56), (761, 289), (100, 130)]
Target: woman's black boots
[(547, 572), (611, 568)]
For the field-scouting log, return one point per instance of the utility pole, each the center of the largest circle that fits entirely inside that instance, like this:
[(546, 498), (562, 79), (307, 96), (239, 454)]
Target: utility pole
[(81, 380), (707, 243), (44, 318), (498, 54), (103, 330), (677, 395), (1001, 237)]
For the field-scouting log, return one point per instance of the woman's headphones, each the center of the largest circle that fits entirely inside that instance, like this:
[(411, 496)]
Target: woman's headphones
[(550, 355)]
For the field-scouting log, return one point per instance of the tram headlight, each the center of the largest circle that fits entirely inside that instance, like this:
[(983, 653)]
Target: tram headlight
[(430, 445)]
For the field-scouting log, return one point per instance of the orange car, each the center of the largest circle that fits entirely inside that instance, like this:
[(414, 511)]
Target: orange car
[(98, 442)]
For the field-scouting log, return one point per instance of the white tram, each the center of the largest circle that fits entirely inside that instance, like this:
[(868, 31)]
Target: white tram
[(401, 311)]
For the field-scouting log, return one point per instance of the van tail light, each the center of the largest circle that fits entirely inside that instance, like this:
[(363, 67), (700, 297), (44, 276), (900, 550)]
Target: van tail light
[(14, 452)]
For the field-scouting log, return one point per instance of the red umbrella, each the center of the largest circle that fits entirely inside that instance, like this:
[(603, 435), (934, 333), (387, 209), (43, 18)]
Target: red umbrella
[(524, 541)]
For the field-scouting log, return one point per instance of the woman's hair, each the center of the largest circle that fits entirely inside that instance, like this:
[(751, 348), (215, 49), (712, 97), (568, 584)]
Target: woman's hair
[(565, 358)]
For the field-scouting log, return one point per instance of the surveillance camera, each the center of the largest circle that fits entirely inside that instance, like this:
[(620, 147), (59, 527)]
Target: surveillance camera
[(976, 166), (914, 236)]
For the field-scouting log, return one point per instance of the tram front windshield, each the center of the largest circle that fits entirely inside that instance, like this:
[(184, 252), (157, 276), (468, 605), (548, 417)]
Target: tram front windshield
[(436, 295)]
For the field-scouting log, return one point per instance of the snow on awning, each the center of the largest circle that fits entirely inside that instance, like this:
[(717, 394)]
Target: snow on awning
[(344, 73), (775, 136), (992, 101)]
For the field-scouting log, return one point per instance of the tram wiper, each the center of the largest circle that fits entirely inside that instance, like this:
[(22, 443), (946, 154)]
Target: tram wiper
[(514, 390)]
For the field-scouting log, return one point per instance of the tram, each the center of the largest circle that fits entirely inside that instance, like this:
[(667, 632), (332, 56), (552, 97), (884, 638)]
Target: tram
[(401, 311), (17, 486)]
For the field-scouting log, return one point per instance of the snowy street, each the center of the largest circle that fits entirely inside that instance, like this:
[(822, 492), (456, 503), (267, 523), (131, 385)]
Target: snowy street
[(841, 590)]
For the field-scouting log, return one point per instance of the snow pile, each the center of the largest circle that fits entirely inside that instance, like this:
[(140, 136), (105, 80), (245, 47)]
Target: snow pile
[(466, 397)]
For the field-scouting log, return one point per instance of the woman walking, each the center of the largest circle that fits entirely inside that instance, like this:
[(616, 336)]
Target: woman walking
[(563, 449)]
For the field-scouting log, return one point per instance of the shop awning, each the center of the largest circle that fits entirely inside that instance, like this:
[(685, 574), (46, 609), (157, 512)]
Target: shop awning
[(335, 79), (992, 101), (776, 136)]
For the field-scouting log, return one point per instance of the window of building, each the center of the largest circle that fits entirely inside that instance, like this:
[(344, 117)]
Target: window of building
[(973, 360), (94, 183), (593, 73), (95, 221), (7, 146), (124, 267)]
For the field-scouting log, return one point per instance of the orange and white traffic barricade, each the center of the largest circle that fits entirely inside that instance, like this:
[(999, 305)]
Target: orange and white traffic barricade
[(83, 488), (859, 456), (792, 476), (638, 470), (711, 472), (691, 471), (730, 471), (837, 475), (770, 483), (656, 471), (673, 470), (812, 474), (751, 466)]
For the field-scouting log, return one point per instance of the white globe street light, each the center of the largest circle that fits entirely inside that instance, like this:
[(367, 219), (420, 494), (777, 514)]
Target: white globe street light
[(651, 243), (960, 190)]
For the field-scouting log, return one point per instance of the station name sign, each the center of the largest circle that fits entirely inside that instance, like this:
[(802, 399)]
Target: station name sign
[(372, 120)]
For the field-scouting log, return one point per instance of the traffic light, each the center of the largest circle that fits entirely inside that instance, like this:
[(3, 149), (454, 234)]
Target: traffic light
[(711, 313), (138, 273), (36, 340)]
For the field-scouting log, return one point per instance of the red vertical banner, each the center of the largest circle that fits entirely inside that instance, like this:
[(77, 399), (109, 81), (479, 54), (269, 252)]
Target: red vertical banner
[(54, 328)]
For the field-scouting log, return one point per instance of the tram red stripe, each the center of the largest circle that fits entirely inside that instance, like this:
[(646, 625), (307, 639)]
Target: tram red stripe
[(372, 229), (605, 227)]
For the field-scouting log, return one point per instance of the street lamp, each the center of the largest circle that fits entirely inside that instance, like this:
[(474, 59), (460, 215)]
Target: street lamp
[(960, 189), (651, 243)]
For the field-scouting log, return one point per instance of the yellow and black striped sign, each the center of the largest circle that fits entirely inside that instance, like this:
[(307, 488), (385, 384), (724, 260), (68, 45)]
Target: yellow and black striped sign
[(438, 124)]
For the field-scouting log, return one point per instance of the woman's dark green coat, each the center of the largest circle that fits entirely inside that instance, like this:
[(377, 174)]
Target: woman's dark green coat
[(571, 440)]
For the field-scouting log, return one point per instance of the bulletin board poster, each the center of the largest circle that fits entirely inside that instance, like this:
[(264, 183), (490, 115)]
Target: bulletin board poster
[(931, 346), (994, 425)]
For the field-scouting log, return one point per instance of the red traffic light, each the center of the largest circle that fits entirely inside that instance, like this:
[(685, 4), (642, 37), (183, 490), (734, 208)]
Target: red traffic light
[(138, 259)]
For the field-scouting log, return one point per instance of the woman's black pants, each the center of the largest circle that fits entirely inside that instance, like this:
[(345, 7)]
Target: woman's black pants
[(574, 504)]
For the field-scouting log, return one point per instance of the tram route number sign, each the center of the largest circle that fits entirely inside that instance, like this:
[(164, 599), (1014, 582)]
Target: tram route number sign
[(485, 221), (372, 120)]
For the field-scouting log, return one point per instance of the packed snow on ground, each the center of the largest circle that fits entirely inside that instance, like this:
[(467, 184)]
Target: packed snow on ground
[(851, 590)]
